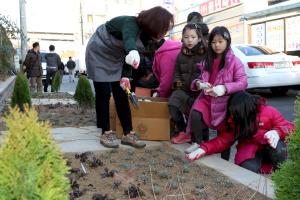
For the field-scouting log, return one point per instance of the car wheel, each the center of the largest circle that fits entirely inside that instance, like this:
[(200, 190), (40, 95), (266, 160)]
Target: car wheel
[(279, 91)]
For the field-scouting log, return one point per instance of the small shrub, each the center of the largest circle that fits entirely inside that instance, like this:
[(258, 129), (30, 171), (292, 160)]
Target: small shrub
[(31, 166), (56, 82), (287, 178), (21, 92), (84, 94)]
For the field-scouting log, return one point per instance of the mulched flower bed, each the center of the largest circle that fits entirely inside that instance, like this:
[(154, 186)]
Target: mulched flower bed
[(151, 173)]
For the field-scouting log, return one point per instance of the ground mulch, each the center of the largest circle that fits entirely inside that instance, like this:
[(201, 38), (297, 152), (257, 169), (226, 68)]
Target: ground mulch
[(139, 174)]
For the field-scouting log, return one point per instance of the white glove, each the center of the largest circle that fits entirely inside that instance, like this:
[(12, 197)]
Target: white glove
[(219, 90), (198, 153), (155, 94), (272, 137), (202, 86), (133, 59)]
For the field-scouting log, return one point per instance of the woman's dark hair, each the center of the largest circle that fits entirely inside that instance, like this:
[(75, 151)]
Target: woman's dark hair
[(243, 109), (156, 21), (211, 55), (196, 27), (194, 17)]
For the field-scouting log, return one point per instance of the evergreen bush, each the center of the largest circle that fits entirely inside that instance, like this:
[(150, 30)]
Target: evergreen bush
[(287, 178), (84, 94), (21, 92), (56, 82), (31, 165), (8, 30)]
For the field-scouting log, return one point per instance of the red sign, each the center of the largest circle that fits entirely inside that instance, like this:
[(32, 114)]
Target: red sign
[(212, 6)]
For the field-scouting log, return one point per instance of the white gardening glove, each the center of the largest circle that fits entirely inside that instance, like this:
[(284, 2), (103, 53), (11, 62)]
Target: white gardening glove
[(272, 137), (133, 59), (202, 86), (198, 153), (155, 94), (218, 91)]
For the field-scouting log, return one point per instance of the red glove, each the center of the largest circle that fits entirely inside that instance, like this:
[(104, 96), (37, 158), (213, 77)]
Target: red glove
[(125, 83)]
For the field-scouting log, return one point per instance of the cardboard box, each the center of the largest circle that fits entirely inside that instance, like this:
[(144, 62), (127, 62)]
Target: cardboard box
[(151, 121)]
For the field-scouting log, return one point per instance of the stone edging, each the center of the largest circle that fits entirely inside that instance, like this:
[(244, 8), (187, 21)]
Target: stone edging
[(250, 179), (6, 90)]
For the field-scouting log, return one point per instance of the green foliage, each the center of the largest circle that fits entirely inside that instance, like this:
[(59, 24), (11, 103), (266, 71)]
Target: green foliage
[(21, 92), (56, 82), (287, 178), (31, 165), (7, 31), (84, 94)]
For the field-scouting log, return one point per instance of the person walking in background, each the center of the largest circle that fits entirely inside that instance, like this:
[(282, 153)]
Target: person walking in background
[(71, 66), (222, 74), (33, 68), (260, 130), (113, 43), (53, 62), (182, 98)]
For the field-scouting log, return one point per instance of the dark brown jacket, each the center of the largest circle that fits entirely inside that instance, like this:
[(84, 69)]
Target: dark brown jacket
[(33, 64), (186, 71)]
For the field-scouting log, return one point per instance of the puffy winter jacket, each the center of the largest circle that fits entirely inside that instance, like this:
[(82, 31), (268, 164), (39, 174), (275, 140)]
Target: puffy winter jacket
[(233, 76), (164, 66), (268, 119)]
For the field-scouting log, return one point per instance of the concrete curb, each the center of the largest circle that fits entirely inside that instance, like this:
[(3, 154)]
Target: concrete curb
[(248, 178), (6, 90)]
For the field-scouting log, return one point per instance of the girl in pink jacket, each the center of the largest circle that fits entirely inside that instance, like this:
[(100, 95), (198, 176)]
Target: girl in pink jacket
[(164, 66), (222, 74), (259, 129)]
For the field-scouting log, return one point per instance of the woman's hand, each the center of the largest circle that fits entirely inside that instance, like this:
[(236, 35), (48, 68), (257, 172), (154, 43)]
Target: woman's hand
[(195, 155), (272, 137), (125, 83), (133, 59)]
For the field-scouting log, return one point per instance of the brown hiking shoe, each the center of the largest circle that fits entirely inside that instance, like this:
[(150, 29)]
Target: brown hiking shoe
[(131, 139), (109, 139)]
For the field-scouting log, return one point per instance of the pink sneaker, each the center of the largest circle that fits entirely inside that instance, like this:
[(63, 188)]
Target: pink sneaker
[(181, 138)]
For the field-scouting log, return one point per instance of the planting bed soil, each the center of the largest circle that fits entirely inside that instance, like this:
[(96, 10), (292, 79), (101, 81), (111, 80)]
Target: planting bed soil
[(52, 95), (151, 173), (60, 115)]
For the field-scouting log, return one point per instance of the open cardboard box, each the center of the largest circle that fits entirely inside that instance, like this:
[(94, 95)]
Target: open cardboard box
[(151, 120)]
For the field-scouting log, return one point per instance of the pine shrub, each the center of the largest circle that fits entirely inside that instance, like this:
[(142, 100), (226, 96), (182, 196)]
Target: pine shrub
[(21, 93), (31, 165), (84, 94), (56, 82), (287, 178)]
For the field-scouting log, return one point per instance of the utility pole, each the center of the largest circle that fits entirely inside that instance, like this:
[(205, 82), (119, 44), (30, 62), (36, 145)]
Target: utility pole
[(81, 24), (23, 29)]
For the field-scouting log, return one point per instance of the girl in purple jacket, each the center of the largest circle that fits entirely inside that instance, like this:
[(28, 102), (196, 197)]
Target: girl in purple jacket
[(222, 74)]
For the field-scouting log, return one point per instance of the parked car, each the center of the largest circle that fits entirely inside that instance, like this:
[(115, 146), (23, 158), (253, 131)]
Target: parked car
[(267, 68)]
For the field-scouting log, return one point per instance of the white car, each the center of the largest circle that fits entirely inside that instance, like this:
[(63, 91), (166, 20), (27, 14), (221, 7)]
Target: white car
[(266, 68)]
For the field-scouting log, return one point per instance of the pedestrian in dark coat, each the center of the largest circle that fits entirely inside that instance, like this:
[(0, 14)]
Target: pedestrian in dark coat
[(34, 67), (53, 62), (114, 42)]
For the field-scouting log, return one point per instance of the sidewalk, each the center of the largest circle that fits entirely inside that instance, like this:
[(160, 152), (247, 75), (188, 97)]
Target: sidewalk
[(6, 88)]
